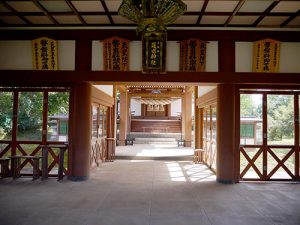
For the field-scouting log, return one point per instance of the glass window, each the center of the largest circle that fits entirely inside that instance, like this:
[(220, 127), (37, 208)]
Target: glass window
[(251, 119), (58, 116), (30, 116), (101, 122), (280, 111), (95, 121), (6, 115), (105, 121)]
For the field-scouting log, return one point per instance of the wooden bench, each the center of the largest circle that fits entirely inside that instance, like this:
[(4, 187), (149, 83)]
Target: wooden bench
[(45, 149), (4, 162), (198, 155), (16, 165)]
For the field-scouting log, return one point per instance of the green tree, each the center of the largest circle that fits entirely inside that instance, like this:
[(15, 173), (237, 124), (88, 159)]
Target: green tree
[(6, 111), (280, 117)]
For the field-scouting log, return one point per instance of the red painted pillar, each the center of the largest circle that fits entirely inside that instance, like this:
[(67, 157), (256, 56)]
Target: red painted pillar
[(226, 134), (80, 131)]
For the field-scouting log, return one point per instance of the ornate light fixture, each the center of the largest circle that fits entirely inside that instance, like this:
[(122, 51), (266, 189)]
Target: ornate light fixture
[(152, 16)]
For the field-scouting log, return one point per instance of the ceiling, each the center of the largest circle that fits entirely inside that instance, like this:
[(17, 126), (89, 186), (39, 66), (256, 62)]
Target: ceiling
[(200, 13)]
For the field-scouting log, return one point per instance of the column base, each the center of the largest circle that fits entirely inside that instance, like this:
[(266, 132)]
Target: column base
[(78, 178), (187, 144), (122, 142), (221, 181)]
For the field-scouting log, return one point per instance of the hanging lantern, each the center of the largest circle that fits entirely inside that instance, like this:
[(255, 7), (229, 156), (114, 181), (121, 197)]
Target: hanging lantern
[(151, 17)]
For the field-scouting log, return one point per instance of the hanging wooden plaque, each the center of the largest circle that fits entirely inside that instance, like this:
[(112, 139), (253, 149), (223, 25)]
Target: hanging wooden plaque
[(115, 54), (44, 54), (192, 55), (266, 56), (154, 53)]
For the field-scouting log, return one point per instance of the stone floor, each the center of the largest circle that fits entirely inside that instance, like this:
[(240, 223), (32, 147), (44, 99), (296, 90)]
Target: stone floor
[(139, 192)]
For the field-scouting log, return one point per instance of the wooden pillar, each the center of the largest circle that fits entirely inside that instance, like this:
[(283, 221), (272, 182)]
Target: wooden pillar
[(197, 127), (201, 125), (114, 112), (188, 118), (123, 117), (226, 134), (183, 116), (129, 114), (83, 55), (226, 55), (80, 131), (169, 110)]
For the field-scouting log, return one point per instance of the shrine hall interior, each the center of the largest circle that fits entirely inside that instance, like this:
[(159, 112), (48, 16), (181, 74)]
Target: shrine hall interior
[(156, 103)]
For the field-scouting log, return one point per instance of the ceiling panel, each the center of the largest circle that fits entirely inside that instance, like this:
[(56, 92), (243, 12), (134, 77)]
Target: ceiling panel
[(96, 19), (56, 6), (39, 19), (11, 20), (3, 8), (194, 6), (24, 6), (67, 19), (214, 19), (287, 6), (255, 6), (186, 20), (27, 13), (295, 22), (121, 20), (221, 6), (246, 20), (113, 5), (273, 20), (88, 6)]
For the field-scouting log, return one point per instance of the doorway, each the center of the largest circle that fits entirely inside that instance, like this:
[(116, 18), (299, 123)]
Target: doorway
[(269, 135)]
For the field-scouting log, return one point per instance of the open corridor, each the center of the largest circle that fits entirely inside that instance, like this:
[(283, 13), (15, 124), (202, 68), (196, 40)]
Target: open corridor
[(140, 192)]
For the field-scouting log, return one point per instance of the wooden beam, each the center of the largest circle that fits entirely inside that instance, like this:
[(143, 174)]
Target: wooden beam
[(15, 12), (65, 78), (266, 12), (173, 35), (107, 12), (72, 7), (45, 11), (290, 19), (202, 11), (237, 8)]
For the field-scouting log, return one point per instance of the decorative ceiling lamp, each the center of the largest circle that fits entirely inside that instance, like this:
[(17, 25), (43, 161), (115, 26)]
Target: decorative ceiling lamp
[(152, 16)]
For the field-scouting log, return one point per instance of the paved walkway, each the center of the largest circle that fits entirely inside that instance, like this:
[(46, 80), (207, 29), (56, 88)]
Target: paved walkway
[(139, 192), (154, 151)]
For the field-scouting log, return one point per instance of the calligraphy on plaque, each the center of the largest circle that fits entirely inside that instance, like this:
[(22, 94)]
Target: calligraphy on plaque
[(192, 55), (266, 56), (44, 54), (115, 54), (154, 54)]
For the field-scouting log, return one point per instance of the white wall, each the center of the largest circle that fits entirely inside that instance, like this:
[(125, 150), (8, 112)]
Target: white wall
[(97, 55), (289, 57), (66, 55), (135, 56), (17, 55), (172, 60), (173, 56), (135, 105), (212, 62), (243, 56), (202, 90), (175, 107), (108, 89)]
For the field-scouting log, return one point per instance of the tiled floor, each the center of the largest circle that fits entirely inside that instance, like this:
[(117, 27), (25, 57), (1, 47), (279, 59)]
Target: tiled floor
[(142, 192)]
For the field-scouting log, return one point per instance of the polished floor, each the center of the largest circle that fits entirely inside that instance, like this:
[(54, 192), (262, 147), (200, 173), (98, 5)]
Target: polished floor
[(147, 192)]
